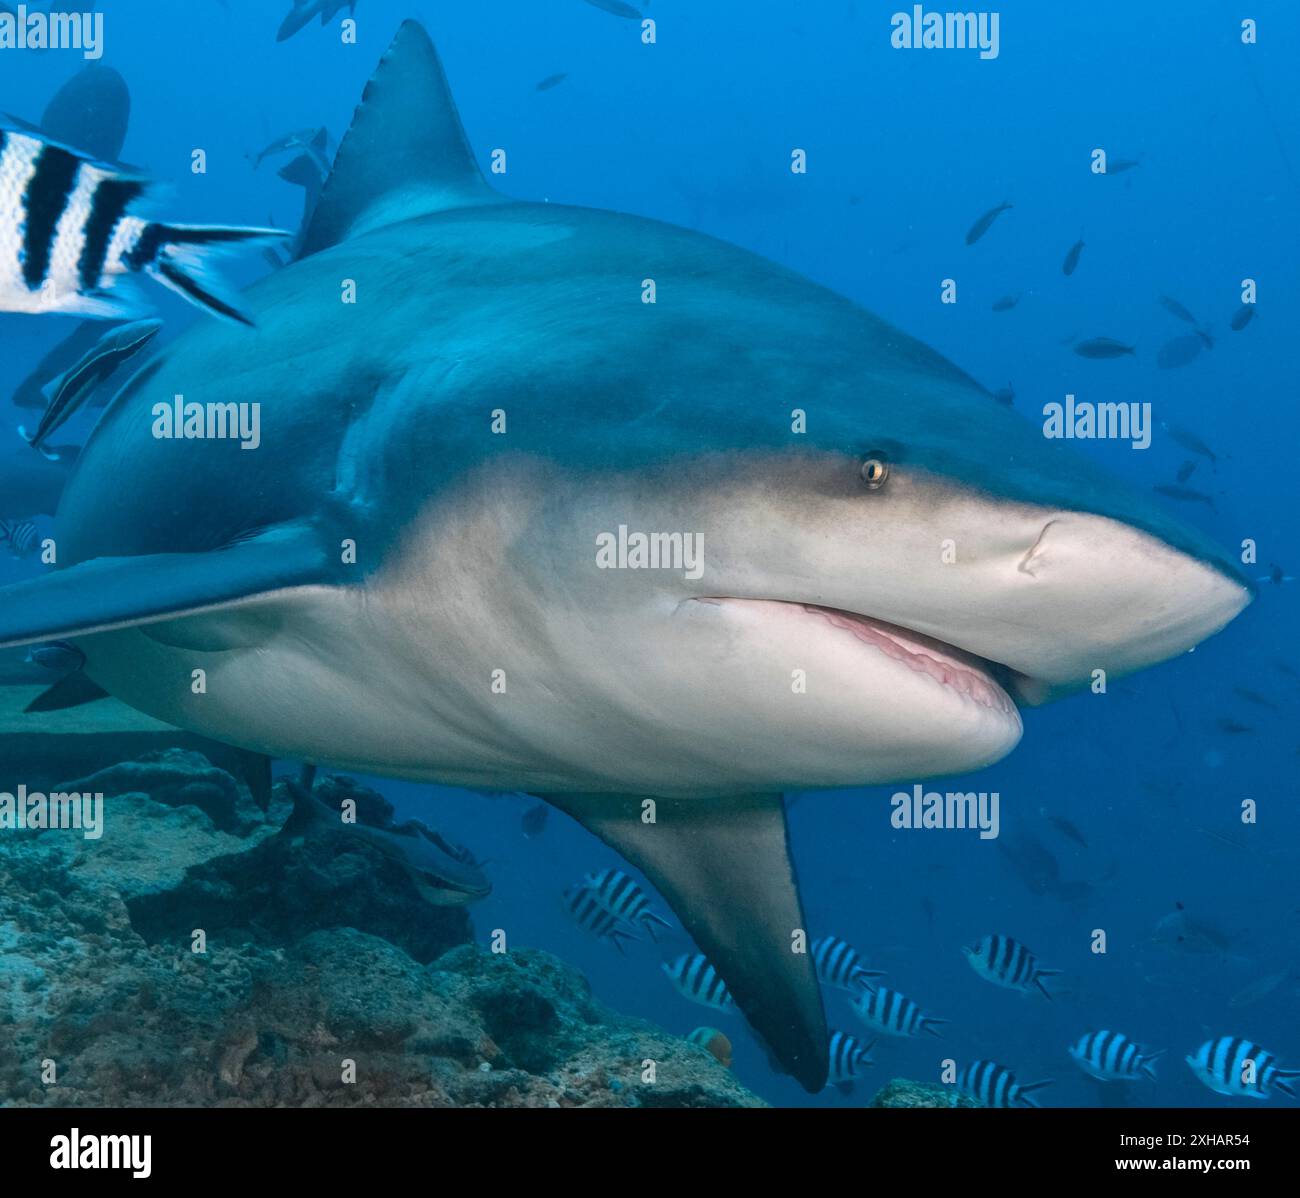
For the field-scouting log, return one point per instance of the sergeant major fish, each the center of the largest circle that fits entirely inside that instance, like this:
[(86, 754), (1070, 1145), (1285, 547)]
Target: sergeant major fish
[(1240, 1069), (19, 535), (624, 900), (1007, 962), (839, 965), (695, 979), (590, 915), (995, 1085), (849, 1060), (69, 233), (894, 1014), (1112, 1056)]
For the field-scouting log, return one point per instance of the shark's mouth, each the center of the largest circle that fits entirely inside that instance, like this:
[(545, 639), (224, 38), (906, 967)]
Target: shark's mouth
[(949, 666), (964, 674)]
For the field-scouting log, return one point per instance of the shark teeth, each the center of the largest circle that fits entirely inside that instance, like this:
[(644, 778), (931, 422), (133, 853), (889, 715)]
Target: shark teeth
[(922, 654)]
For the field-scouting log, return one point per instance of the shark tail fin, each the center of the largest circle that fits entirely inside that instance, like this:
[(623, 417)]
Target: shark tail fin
[(723, 865)]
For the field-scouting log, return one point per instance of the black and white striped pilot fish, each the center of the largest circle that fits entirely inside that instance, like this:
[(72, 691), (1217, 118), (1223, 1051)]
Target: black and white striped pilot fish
[(895, 1014), (838, 964), (695, 979), (589, 914), (70, 234), (19, 535), (1007, 962), (1240, 1069), (995, 1085), (624, 900), (1112, 1056), (850, 1059)]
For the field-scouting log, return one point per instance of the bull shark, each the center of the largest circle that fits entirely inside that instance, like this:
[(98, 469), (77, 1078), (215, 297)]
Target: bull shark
[(411, 575)]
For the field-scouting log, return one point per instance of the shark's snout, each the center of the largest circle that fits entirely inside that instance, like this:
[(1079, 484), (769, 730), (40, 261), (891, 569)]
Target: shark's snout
[(1099, 598)]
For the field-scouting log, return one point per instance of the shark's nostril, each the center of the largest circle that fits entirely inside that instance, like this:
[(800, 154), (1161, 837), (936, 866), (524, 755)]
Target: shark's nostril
[(1034, 558)]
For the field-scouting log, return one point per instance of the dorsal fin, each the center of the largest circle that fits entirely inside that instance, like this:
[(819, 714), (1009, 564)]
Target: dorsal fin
[(405, 154)]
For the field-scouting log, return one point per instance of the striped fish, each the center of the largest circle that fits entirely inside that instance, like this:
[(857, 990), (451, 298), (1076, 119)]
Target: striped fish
[(1240, 1069), (1112, 1056), (70, 233), (624, 900), (838, 964), (995, 1085), (850, 1059), (1007, 962), (697, 980), (589, 914), (19, 535), (894, 1014)]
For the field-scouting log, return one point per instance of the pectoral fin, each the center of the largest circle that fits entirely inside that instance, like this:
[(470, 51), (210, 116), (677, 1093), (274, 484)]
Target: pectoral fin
[(120, 592), (724, 867)]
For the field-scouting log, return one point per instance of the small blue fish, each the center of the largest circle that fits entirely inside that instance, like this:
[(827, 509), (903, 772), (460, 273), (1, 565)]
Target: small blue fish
[(1242, 317), (1072, 258), (981, 226)]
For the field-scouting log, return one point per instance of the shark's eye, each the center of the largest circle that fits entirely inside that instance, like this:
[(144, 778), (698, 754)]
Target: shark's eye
[(874, 471)]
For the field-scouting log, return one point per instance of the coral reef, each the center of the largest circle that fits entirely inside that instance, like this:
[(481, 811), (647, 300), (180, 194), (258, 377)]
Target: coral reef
[(903, 1093), (322, 979)]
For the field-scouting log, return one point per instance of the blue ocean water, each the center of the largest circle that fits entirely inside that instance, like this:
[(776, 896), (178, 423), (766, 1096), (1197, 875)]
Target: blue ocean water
[(905, 149)]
